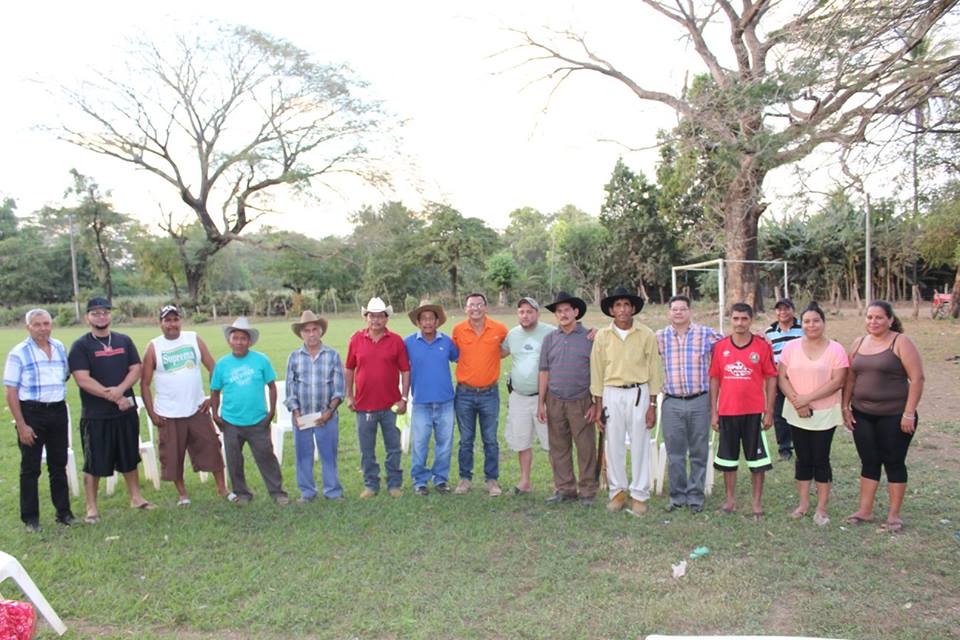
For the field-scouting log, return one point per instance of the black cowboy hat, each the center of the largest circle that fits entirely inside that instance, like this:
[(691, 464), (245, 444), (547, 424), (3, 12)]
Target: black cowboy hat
[(620, 293), (573, 301)]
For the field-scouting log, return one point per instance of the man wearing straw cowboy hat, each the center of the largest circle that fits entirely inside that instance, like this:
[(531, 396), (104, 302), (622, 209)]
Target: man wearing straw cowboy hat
[(236, 397), (430, 352), (625, 377), (314, 391), (377, 362)]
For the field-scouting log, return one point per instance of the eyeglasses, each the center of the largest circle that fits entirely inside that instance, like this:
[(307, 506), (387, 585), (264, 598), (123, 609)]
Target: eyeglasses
[(100, 313)]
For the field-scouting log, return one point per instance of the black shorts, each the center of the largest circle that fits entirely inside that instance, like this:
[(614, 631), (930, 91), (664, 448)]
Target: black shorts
[(110, 444), (745, 429)]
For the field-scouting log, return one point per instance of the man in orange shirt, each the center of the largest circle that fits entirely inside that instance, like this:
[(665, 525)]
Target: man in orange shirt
[(478, 395)]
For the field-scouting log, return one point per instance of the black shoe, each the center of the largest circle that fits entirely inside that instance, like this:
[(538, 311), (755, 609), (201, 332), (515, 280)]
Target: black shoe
[(443, 488), (68, 520), (673, 506), (786, 456), (421, 491), (33, 527), (696, 508), (558, 497), (586, 501)]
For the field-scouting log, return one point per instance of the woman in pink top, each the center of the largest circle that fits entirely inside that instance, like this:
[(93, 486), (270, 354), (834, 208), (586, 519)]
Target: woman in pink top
[(812, 371)]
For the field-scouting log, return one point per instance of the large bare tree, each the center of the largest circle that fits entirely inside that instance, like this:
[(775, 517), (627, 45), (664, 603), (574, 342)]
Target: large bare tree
[(227, 117), (800, 75)]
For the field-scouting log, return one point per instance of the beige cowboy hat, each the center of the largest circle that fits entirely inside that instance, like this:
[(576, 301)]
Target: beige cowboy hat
[(376, 305), (306, 318), (242, 324), (426, 305)]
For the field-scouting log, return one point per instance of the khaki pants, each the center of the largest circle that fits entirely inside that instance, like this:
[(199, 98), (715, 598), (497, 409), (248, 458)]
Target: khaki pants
[(567, 426)]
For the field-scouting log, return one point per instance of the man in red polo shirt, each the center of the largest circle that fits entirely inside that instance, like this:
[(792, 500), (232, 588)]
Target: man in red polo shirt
[(478, 396), (743, 384), (377, 362)]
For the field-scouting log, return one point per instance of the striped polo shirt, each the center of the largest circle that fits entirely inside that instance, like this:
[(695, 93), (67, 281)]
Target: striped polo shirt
[(778, 338), (566, 357)]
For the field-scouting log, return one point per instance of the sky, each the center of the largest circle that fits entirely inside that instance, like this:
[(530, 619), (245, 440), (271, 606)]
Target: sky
[(480, 133)]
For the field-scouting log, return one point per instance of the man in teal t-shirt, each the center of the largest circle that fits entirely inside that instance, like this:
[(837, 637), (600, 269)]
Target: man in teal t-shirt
[(239, 409), (523, 343)]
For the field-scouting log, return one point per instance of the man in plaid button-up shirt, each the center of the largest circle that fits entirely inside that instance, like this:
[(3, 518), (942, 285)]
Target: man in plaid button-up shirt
[(315, 388), (685, 417)]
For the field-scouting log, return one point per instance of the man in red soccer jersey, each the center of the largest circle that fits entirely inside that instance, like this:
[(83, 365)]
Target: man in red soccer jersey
[(743, 384)]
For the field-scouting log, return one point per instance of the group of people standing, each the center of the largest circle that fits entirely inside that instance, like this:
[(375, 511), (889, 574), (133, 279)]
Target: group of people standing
[(565, 382)]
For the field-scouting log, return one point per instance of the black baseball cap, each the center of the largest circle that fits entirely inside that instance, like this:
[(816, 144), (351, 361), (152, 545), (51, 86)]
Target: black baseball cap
[(784, 302), (98, 303)]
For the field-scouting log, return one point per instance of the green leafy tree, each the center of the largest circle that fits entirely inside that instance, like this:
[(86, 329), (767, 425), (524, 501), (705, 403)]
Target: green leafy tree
[(939, 243), (9, 225), (502, 272), (102, 232), (583, 247), (228, 118), (386, 246), (455, 243), (644, 249)]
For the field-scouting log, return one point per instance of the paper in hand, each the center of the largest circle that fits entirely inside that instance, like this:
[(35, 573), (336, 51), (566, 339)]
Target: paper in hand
[(308, 420)]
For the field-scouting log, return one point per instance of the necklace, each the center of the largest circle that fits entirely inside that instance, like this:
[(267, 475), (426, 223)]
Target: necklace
[(109, 344)]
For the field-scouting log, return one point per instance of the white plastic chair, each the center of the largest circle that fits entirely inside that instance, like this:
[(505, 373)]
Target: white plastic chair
[(403, 423), (148, 454), (73, 479), (282, 421), (10, 567), (708, 483)]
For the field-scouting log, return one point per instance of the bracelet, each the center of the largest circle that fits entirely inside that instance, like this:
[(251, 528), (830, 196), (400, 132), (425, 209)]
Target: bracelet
[(909, 417)]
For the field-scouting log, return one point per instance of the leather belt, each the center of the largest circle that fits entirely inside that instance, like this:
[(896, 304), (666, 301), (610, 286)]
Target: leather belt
[(629, 386), (689, 397), (467, 387), (42, 405)]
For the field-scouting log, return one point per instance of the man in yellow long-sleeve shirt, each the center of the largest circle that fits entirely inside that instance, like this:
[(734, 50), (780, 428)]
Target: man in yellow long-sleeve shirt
[(625, 376)]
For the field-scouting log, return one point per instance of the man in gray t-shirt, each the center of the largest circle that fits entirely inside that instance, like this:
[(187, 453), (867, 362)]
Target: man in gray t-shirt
[(523, 343)]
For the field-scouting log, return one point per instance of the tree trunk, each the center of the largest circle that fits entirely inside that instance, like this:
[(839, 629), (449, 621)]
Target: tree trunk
[(916, 301), (453, 281), (955, 301), (502, 298), (741, 213)]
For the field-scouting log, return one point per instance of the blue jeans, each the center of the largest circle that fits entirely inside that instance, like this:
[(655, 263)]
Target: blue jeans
[(427, 418), (367, 435), (326, 438), (484, 406)]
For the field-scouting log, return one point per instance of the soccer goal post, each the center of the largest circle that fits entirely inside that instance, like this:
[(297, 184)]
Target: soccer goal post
[(718, 266)]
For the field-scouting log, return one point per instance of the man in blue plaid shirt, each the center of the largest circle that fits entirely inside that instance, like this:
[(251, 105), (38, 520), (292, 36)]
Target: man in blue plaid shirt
[(35, 380), (314, 391)]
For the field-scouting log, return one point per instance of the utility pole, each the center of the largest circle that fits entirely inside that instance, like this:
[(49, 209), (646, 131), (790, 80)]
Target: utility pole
[(868, 270), (73, 266)]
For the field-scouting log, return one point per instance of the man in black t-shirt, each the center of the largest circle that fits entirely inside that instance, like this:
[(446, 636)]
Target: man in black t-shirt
[(106, 365)]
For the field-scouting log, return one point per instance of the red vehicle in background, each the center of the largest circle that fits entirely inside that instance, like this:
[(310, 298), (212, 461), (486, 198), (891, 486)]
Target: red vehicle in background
[(941, 305)]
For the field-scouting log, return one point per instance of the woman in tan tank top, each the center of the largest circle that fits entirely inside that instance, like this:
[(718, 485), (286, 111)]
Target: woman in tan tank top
[(880, 401)]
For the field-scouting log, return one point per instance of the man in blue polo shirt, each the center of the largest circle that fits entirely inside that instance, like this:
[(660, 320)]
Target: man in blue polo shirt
[(430, 353), (778, 334)]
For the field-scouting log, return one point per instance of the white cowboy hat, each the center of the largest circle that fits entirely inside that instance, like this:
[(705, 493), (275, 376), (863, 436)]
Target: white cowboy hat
[(376, 305), (242, 324)]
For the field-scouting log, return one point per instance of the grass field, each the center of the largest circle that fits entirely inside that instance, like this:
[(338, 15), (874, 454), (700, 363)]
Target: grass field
[(475, 567)]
